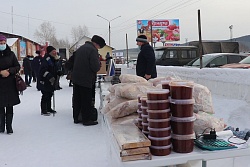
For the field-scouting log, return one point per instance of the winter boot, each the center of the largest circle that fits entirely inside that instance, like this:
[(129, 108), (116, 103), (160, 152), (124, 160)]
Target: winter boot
[(44, 110), (2, 122), (49, 108), (9, 118)]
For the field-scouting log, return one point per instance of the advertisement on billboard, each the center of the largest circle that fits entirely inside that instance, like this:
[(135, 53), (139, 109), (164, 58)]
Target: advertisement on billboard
[(144, 28), (166, 30), (22, 49)]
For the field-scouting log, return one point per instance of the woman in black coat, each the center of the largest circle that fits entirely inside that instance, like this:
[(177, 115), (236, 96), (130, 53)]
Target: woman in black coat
[(9, 97)]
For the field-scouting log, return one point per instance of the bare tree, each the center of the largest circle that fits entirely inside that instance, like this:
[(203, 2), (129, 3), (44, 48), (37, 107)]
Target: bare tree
[(46, 32), (63, 43), (78, 32)]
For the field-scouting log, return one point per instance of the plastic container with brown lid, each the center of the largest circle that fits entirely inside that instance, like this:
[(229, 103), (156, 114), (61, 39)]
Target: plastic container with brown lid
[(181, 89), (159, 123), (139, 97), (160, 141), (144, 126), (183, 143), (182, 126), (158, 94), (158, 104), (182, 107), (144, 110), (139, 113), (159, 114), (160, 150), (144, 118), (139, 106), (144, 101), (165, 84), (159, 132)]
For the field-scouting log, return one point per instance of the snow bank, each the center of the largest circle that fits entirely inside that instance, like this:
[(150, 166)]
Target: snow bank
[(220, 81)]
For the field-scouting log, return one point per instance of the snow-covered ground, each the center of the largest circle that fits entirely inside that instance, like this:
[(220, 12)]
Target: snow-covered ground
[(47, 141), (41, 141)]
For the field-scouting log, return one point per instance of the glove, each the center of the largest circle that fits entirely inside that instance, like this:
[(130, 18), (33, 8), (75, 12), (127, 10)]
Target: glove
[(59, 73), (52, 80)]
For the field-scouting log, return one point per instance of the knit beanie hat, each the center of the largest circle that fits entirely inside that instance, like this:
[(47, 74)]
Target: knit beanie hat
[(2, 38), (98, 40), (141, 38), (50, 48)]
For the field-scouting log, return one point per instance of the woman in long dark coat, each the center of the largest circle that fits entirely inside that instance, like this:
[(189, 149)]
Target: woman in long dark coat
[(9, 97)]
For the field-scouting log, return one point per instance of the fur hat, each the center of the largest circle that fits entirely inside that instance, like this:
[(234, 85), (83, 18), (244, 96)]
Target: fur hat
[(141, 38), (98, 40), (2, 38), (50, 48)]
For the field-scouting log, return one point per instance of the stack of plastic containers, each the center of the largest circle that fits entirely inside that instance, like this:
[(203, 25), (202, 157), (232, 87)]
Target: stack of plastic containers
[(144, 115), (159, 122), (139, 111), (182, 119)]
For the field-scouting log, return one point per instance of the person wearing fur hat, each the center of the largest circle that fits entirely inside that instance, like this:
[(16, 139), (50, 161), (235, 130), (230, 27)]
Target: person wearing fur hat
[(86, 66), (9, 97), (47, 79), (145, 65)]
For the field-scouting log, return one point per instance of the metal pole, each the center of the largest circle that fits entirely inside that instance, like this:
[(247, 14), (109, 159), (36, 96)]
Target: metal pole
[(54, 105), (109, 25), (109, 33), (231, 32), (127, 49), (200, 40)]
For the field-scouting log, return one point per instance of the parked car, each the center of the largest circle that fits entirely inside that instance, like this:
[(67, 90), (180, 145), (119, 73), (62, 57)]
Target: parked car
[(245, 64), (175, 55), (216, 60)]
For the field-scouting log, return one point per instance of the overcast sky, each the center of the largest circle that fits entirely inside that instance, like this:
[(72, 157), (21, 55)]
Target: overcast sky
[(216, 15)]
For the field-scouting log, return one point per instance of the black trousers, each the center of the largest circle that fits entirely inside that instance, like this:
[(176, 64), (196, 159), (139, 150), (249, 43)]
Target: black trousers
[(82, 102)]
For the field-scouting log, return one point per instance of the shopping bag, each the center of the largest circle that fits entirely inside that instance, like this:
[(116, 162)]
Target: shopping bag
[(20, 84)]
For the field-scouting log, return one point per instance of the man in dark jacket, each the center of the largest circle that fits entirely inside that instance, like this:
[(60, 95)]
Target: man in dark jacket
[(86, 65), (36, 63), (145, 66), (47, 80), (27, 70)]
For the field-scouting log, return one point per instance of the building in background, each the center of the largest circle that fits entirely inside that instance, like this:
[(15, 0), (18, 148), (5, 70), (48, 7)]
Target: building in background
[(82, 41), (21, 46)]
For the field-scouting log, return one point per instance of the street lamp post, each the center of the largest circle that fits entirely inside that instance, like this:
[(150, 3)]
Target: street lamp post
[(109, 23), (231, 32)]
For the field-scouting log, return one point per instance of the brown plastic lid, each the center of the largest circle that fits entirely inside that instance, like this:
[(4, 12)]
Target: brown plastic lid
[(144, 98), (159, 129), (139, 111), (158, 91), (159, 120), (157, 101), (159, 138), (144, 116), (182, 102), (159, 111), (143, 107), (161, 147), (182, 83), (183, 119), (183, 137), (145, 132)]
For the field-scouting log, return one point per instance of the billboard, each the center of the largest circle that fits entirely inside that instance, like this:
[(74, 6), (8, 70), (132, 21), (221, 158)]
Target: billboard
[(166, 30), (144, 28), (22, 49)]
